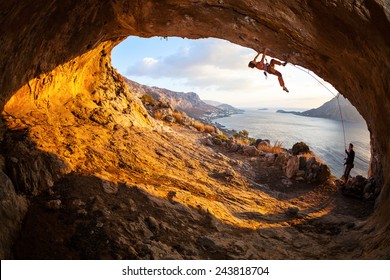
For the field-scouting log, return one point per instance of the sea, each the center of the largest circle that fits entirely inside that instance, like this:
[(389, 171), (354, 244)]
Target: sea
[(325, 137)]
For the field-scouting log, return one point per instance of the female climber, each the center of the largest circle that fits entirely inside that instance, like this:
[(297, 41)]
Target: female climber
[(268, 68)]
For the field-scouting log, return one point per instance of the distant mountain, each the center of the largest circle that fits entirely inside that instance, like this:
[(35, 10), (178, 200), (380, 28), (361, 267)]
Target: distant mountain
[(188, 102), (331, 110), (212, 102)]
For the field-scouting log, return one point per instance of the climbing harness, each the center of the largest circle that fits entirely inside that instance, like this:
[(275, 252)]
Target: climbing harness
[(335, 95)]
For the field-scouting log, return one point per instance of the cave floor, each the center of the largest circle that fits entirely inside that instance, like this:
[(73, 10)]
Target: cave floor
[(194, 202)]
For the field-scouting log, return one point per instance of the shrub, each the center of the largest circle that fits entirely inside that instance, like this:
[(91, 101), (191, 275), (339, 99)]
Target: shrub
[(199, 126), (300, 148), (242, 135), (178, 116), (148, 99), (223, 137), (158, 115), (275, 149), (209, 129)]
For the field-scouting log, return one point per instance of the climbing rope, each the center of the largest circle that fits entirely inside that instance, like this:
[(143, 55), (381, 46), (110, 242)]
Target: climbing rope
[(335, 95)]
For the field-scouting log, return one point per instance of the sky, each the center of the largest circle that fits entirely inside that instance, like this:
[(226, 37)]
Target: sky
[(216, 70)]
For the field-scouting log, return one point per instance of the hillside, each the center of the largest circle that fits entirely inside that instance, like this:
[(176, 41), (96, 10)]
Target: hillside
[(331, 110), (188, 102)]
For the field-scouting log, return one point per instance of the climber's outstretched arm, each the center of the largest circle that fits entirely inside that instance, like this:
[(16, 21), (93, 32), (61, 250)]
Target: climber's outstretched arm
[(263, 57)]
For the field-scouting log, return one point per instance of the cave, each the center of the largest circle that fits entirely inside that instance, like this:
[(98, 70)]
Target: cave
[(55, 60)]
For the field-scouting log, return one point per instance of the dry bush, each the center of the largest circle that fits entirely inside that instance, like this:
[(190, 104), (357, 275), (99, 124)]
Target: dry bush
[(275, 149), (178, 116), (199, 126), (158, 115), (209, 129), (242, 141), (310, 155)]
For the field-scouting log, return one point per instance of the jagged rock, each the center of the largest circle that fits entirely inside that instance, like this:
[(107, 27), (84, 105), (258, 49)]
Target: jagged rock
[(324, 173), (31, 170), (300, 148), (217, 141), (250, 151), (209, 142), (302, 163), (207, 244), (292, 167), (362, 188), (169, 119), (233, 147), (270, 157), (101, 116), (12, 210), (316, 171), (227, 174)]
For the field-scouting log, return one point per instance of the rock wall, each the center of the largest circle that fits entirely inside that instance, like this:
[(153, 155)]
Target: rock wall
[(55, 54)]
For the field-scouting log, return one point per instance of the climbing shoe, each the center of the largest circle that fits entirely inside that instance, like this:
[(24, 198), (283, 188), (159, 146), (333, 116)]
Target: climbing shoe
[(285, 89), (285, 63)]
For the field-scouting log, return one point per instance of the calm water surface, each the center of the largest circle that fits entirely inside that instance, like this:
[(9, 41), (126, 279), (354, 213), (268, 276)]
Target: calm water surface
[(324, 137)]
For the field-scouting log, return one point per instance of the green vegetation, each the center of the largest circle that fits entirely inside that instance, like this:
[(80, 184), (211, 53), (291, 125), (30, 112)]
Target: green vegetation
[(148, 99)]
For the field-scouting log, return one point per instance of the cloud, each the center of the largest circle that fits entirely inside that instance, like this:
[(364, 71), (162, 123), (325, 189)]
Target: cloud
[(201, 63), (217, 68)]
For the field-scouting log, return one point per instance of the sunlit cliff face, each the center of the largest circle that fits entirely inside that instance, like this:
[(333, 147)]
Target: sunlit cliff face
[(55, 55)]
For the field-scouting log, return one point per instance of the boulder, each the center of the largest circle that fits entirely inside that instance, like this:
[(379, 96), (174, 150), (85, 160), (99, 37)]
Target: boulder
[(302, 163), (233, 146), (300, 148), (169, 119), (250, 151), (292, 211), (217, 141), (362, 188), (281, 158), (262, 142), (292, 167), (316, 171)]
